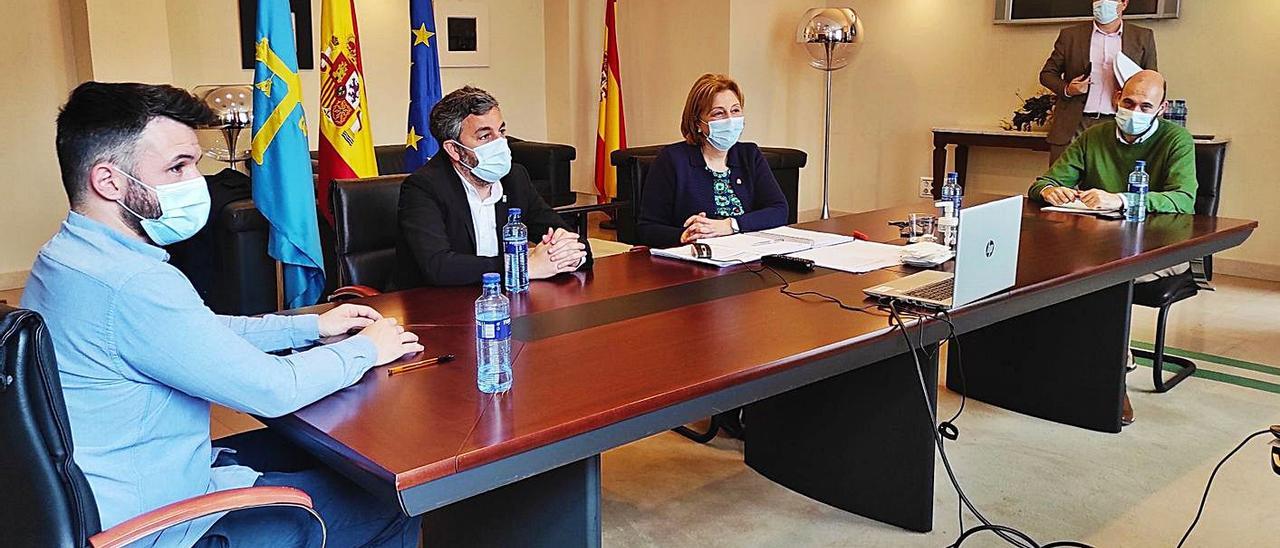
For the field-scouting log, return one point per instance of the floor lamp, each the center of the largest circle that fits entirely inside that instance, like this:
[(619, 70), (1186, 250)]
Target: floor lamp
[(828, 36)]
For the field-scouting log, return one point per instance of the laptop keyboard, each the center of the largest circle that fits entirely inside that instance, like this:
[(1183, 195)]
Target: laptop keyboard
[(940, 290)]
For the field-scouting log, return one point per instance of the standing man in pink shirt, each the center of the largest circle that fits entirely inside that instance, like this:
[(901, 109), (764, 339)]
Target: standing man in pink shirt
[(1081, 70)]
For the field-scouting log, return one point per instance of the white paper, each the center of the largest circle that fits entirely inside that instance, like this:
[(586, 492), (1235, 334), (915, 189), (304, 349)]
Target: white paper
[(815, 238), (1076, 204), (754, 243), (1125, 68), (858, 256)]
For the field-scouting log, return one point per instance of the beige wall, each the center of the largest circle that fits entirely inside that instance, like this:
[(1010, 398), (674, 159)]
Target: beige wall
[(783, 94), (663, 46), (940, 63), (42, 69)]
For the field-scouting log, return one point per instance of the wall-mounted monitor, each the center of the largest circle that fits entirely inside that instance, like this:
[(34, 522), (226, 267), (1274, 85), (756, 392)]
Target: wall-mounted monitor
[(1059, 11)]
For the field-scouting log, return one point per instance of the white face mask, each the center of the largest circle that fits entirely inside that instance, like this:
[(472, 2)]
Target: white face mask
[(1106, 11), (184, 210)]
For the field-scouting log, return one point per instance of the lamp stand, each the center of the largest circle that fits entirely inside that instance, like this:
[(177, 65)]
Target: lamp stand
[(826, 144)]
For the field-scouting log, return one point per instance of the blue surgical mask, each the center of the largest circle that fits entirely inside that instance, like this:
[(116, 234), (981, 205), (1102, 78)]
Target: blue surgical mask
[(184, 210), (1106, 11), (493, 160), (1132, 122), (723, 134)]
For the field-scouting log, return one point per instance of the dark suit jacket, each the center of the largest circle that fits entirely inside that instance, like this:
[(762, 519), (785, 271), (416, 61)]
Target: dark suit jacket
[(679, 186), (1068, 61), (437, 240)]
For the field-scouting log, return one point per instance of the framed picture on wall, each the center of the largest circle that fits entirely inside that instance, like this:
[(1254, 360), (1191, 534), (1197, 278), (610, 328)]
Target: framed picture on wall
[(463, 33), (301, 10)]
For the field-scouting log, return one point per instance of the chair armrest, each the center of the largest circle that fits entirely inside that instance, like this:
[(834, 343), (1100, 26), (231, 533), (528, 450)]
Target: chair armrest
[(198, 507), (347, 292), (580, 209)]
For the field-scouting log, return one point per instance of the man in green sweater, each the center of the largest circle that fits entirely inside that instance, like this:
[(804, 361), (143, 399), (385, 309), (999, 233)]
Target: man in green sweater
[(1095, 168)]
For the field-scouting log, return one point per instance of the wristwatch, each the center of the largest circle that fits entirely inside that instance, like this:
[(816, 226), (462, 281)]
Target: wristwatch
[(733, 223)]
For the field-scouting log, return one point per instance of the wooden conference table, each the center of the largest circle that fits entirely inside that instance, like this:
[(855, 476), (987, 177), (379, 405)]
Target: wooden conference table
[(642, 344)]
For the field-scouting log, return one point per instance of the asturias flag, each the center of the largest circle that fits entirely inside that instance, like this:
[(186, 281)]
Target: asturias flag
[(611, 133), (424, 84), (346, 140), (281, 167)]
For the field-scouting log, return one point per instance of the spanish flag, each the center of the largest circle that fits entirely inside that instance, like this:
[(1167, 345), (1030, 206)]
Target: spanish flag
[(346, 140), (611, 133)]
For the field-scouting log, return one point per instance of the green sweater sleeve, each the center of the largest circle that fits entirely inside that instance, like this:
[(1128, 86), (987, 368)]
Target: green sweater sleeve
[(1068, 171), (1178, 193)]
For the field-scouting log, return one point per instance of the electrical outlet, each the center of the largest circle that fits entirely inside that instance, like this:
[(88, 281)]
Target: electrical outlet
[(926, 187)]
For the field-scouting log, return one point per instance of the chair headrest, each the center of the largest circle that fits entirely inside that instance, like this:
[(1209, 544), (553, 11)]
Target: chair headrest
[(365, 212)]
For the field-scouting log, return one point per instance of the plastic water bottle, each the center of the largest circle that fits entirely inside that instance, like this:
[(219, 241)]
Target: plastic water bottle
[(515, 252), (951, 192), (1136, 198), (493, 338)]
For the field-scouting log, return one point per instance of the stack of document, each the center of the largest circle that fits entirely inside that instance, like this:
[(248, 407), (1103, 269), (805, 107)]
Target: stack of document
[(857, 256), (748, 247)]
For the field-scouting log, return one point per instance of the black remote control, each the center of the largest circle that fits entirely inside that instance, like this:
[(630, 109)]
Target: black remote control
[(788, 262)]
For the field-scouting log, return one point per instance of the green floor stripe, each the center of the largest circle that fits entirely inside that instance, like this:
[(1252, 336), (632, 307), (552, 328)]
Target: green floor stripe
[(1220, 360), (1221, 377)]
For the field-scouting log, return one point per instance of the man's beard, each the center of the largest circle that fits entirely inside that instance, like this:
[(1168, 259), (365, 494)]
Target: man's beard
[(142, 202)]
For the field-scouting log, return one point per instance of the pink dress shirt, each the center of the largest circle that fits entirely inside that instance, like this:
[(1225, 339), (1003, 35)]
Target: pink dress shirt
[(1103, 49)]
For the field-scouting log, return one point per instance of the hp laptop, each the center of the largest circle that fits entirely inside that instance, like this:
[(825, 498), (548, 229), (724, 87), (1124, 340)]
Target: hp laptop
[(986, 260)]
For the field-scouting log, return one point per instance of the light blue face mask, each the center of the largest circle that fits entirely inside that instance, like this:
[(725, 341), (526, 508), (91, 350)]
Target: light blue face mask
[(493, 160), (723, 134), (1133, 122), (1106, 11), (184, 210)]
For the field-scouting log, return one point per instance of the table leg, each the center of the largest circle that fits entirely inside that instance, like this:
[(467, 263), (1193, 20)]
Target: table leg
[(560, 507), (859, 441), (962, 163), (939, 168), (1063, 363)]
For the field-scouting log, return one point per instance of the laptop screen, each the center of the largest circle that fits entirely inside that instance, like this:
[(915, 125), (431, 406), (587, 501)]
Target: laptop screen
[(987, 253)]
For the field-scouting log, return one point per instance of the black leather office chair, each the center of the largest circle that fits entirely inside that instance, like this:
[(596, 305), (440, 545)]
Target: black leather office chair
[(632, 166), (1164, 292), (549, 167), (45, 499), (365, 219)]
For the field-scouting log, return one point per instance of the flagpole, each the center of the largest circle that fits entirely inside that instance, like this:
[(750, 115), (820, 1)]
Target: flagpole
[(279, 286)]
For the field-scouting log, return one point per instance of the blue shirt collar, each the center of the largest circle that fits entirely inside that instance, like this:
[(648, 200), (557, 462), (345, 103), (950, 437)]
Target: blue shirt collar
[(79, 222)]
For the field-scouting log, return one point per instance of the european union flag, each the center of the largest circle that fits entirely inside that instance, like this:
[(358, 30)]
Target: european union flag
[(424, 84), (281, 167)]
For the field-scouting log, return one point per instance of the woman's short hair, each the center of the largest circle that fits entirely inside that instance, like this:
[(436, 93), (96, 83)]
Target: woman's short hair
[(699, 103)]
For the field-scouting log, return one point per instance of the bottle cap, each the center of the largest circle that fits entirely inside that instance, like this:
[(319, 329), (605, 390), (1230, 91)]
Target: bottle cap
[(953, 175), (514, 211), (490, 278), (1141, 163)]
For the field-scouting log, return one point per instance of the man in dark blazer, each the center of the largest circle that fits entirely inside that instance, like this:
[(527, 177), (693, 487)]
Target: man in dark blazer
[(1084, 100), (452, 210)]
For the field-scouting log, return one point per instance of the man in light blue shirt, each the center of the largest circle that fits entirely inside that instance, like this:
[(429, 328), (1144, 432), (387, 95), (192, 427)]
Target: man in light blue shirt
[(141, 358)]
